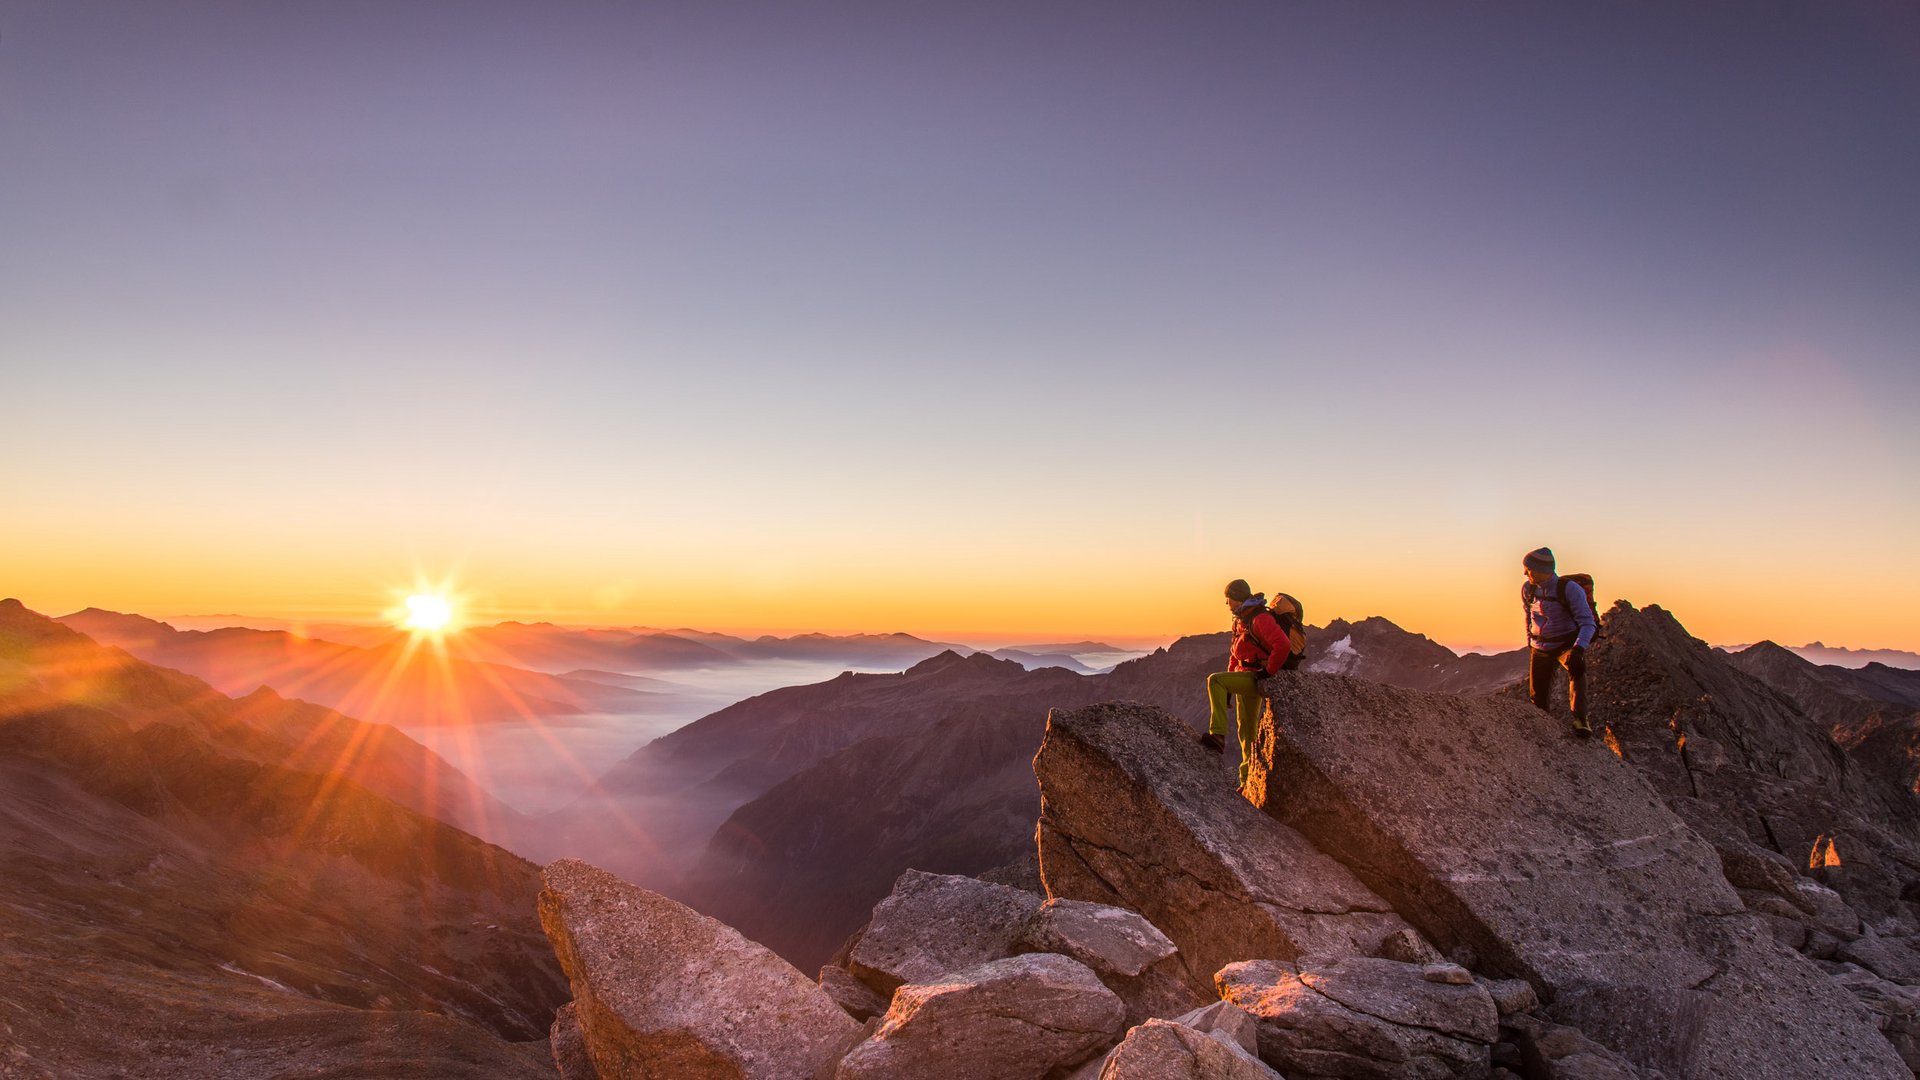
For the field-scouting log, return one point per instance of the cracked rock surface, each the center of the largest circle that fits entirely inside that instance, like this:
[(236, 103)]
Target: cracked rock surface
[(1017, 1018), (1553, 860), (1361, 1018), (663, 991), (1134, 813), (932, 924), (1131, 956)]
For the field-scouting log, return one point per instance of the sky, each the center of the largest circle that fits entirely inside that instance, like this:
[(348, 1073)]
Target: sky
[(988, 319)]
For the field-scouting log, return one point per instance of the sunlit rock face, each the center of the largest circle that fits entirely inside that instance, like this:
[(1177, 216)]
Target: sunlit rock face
[(661, 990), (1361, 1017), (1532, 854), (1135, 813), (1016, 1018)]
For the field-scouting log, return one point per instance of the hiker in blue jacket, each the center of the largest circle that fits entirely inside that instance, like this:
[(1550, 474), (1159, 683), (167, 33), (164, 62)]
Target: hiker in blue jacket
[(1560, 626)]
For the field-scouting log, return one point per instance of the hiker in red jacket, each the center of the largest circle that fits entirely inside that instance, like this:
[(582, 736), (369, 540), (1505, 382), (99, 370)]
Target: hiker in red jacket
[(1260, 647)]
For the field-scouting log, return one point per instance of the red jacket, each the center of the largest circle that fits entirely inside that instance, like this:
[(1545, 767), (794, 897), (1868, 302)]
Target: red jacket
[(1262, 647)]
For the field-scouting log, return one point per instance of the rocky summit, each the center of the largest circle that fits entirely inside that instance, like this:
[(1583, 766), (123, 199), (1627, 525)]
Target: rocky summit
[(1413, 884), (1134, 813)]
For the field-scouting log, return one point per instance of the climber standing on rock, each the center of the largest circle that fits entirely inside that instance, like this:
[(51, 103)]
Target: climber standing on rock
[(1260, 648), (1560, 626)]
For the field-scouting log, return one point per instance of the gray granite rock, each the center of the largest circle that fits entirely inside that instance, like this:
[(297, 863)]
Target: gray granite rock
[(1409, 947), (1017, 1018), (1132, 958), (1551, 1051), (1228, 1021), (1896, 1008), (1554, 861), (661, 990), (1364, 1018), (1163, 1050), (932, 924), (862, 1002), (1134, 813), (569, 1046)]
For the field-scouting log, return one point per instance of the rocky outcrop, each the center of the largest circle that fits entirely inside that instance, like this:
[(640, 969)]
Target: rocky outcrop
[(932, 924), (1135, 813), (1530, 854), (1164, 1050), (660, 990), (1133, 958), (1017, 1018), (1362, 1018)]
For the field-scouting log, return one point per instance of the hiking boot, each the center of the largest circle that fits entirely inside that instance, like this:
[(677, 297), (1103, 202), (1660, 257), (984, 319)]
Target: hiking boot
[(1582, 728), (1214, 743)]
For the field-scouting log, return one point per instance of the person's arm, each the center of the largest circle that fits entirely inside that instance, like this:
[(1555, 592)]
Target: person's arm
[(1582, 609), (1267, 629), (1526, 612)]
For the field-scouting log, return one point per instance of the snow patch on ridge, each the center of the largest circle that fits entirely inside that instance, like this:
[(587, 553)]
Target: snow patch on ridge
[(1340, 658)]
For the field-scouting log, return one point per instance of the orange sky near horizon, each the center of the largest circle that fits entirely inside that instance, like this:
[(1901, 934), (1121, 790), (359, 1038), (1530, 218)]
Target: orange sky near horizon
[(1470, 604)]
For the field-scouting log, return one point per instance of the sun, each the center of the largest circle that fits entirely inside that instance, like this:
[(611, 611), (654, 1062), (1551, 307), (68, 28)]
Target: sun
[(428, 613)]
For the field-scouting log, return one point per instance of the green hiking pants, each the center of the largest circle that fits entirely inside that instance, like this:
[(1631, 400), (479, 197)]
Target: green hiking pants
[(1244, 688)]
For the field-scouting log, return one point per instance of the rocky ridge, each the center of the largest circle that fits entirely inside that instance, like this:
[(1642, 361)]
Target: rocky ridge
[(1440, 887)]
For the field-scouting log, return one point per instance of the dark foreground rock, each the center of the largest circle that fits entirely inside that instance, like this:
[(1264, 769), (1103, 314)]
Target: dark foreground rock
[(662, 991), (1529, 854), (1134, 813), (1013, 1019)]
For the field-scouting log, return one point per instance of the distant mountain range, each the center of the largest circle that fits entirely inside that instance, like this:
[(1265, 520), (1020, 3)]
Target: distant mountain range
[(398, 683), (201, 886), (559, 650), (1839, 656)]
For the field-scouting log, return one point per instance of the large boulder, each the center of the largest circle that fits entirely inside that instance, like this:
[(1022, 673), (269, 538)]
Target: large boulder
[(1134, 813), (1017, 1018), (661, 990), (1164, 1050), (1132, 958), (1361, 1018), (1550, 859), (932, 924)]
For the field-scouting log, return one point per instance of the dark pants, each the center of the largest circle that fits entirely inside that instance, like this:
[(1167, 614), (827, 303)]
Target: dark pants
[(1540, 677)]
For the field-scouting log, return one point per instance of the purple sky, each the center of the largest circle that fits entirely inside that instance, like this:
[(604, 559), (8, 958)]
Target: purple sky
[(1014, 279)]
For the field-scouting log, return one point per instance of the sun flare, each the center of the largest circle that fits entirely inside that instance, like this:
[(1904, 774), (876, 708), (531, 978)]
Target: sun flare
[(427, 613)]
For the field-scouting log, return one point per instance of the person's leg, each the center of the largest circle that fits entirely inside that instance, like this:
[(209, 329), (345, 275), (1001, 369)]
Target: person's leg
[(1220, 687), (1248, 701), (1575, 661), (1540, 667)]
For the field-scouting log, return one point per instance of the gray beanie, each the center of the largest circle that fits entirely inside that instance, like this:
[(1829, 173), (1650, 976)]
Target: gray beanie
[(1538, 559)]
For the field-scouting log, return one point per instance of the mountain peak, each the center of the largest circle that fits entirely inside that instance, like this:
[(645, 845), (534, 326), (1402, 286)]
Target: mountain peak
[(977, 662)]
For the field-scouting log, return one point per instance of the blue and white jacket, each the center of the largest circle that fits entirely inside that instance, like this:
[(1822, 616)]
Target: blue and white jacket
[(1553, 626)]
